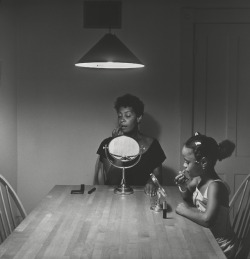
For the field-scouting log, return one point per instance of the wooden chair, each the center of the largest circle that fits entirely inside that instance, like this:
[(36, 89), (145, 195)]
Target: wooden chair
[(12, 211), (240, 216)]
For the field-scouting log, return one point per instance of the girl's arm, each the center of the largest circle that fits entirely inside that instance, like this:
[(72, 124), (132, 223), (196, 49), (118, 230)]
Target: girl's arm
[(207, 218), (186, 188)]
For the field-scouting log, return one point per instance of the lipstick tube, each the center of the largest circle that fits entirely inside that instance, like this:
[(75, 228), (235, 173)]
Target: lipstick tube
[(92, 190), (164, 209)]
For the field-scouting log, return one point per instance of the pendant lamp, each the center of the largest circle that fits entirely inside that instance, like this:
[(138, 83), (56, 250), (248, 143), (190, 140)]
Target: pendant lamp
[(109, 52)]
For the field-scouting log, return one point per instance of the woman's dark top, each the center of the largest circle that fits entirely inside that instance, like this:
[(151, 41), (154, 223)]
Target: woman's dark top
[(138, 175)]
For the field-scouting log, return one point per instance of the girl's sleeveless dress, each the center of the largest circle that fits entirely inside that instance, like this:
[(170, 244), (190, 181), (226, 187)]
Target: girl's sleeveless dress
[(222, 229)]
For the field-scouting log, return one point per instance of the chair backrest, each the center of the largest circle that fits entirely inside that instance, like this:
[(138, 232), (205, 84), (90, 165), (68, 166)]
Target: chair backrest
[(12, 211), (240, 216)]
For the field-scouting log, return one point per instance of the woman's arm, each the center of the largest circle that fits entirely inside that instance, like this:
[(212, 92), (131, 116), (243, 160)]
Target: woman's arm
[(207, 218), (99, 177)]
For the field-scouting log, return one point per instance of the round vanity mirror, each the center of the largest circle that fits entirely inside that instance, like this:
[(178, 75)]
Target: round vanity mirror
[(123, 152), (124, 148)]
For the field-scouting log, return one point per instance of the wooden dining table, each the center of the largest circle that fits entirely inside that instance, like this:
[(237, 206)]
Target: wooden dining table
[(107, 225)]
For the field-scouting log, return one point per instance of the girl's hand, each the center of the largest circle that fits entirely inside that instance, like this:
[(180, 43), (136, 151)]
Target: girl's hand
[(181, 178)]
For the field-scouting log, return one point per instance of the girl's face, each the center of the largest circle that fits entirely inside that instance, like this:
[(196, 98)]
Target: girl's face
[(193, 167), (127, 120)]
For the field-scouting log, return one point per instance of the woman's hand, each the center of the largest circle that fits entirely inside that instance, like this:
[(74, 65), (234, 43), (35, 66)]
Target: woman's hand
[(150, 189), (117, 132)]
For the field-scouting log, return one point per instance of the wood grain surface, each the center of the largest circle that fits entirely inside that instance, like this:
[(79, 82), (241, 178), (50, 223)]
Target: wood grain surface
[(106, 225)]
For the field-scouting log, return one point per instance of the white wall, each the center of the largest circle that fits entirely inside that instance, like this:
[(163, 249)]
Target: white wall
[(8, 122)]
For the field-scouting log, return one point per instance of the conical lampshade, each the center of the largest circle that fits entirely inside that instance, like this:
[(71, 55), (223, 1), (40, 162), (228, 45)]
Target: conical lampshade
[(109, 52)]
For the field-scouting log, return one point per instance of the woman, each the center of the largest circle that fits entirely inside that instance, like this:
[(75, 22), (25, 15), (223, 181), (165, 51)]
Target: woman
[(130, 111)]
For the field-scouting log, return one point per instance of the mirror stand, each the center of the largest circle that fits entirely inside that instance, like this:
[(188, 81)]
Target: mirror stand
[(123, 189)]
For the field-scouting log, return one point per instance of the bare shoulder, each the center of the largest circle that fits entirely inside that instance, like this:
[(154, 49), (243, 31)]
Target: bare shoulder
[(219, 190), (217, 186)]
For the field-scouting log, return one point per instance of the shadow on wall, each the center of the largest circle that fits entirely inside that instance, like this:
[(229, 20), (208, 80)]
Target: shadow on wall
[(149, 126), (168, 176)]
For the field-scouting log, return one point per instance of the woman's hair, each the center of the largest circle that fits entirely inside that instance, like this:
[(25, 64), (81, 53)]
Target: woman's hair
[(129, 100), (204, 146)]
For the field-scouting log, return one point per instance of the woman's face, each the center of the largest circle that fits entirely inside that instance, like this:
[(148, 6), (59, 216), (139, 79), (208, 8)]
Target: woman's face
[(127, 120), (190, 164)]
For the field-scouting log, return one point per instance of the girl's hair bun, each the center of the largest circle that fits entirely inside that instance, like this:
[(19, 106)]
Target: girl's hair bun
[(226, 148), (204, 146)]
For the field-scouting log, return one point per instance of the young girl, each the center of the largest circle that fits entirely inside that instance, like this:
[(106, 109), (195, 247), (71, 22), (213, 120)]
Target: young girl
[(200, 184)]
